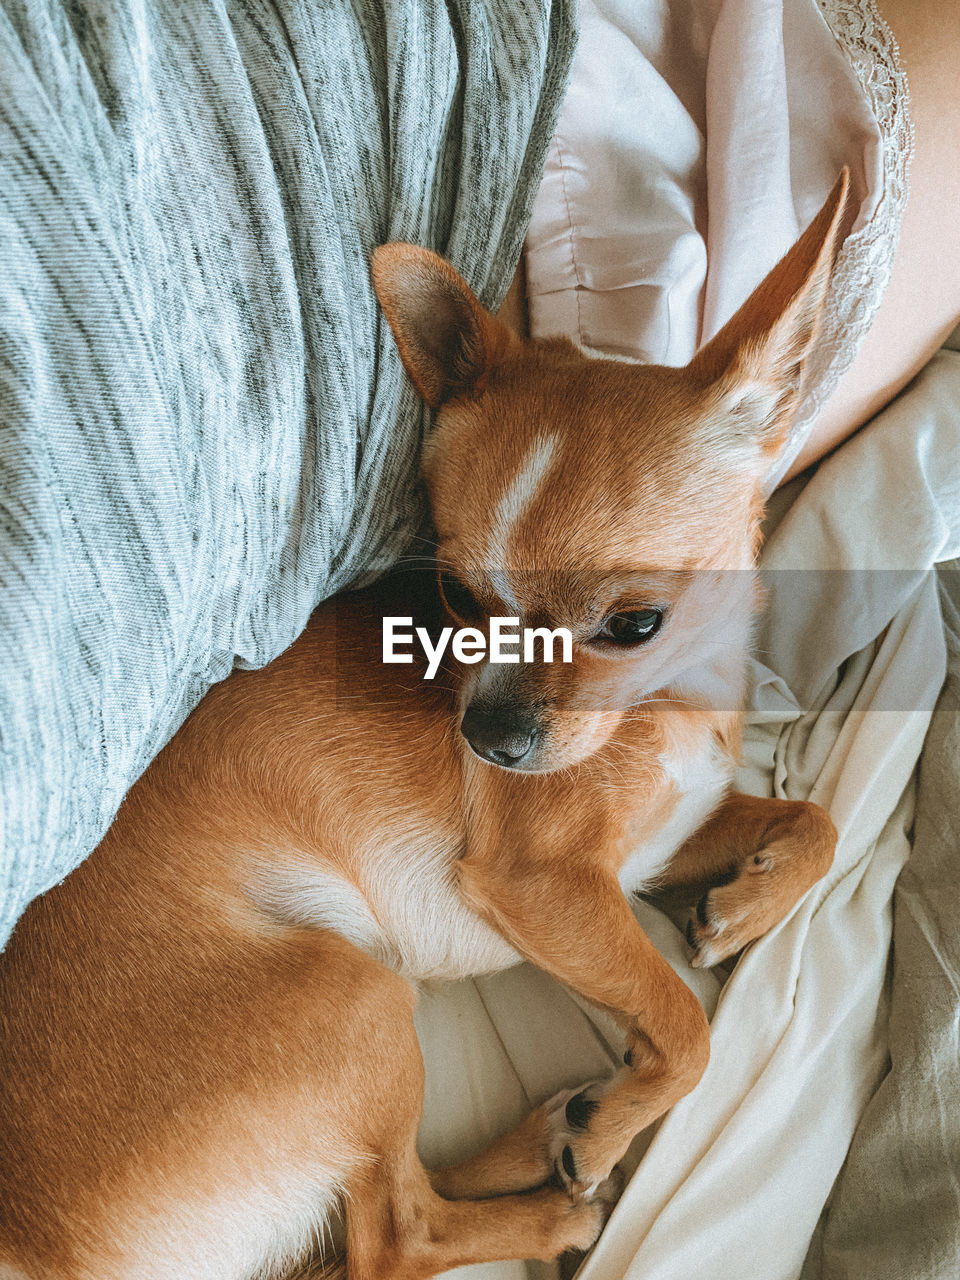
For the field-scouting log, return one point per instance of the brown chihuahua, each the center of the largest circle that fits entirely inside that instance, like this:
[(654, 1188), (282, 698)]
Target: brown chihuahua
[(207, 1033)]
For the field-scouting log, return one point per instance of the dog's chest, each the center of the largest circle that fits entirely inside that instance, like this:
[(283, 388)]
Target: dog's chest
[(402, 905), (401, 902)]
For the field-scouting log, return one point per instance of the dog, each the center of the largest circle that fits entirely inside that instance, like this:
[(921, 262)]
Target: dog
[(207, 1030)]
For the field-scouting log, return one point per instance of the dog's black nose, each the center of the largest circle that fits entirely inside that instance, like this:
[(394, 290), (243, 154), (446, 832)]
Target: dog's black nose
[(502, 736)]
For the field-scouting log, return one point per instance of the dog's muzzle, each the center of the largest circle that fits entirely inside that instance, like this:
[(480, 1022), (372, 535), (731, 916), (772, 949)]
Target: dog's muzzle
[(501, 736)]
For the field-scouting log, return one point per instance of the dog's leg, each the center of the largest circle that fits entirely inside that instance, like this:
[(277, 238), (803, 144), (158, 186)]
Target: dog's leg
[(398, 1225), (398, 1228), (402, 1231), (571, 919), (518, 1161), (747, 866)]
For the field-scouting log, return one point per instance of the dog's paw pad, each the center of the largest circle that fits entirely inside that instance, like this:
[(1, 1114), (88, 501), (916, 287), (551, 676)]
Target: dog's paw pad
[(579, 1109), (568, 1120)]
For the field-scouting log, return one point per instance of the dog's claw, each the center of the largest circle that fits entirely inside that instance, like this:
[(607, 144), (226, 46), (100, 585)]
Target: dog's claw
[(701, 930), (703, 958)]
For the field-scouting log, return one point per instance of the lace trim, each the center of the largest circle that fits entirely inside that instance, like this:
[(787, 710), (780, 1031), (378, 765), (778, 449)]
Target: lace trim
[(862, 272)]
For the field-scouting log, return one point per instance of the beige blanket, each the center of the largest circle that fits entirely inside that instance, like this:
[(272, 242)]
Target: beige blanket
[(895, 1210)]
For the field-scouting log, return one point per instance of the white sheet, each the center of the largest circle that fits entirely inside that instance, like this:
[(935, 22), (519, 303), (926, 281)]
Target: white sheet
[(695, 142)]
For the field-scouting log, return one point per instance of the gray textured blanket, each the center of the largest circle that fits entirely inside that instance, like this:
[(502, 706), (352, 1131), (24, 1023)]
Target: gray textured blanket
[(204, 428)]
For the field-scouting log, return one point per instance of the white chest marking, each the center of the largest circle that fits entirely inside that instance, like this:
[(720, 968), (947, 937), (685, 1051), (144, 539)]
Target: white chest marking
[(407, 911)]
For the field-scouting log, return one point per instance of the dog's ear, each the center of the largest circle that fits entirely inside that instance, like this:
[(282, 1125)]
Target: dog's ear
[(757, 359), (448, 342)]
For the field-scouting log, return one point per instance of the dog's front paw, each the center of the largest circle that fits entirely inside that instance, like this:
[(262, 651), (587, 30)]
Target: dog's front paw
[(797, 850), (730, 916)]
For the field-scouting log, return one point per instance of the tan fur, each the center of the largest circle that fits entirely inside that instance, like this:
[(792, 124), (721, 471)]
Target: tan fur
[(204, 1045)]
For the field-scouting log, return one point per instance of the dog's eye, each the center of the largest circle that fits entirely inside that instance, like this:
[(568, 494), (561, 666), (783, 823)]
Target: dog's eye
[(459, 599), (632, 627)]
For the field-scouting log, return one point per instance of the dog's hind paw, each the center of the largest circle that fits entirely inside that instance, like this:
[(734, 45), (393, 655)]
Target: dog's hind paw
[(568, 1119), (584, 1219)]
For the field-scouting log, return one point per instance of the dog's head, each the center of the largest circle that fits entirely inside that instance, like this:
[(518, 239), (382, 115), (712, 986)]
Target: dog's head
[(619, 501)]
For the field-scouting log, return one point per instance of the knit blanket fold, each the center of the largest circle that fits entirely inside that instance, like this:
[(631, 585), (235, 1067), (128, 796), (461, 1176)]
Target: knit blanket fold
[(204, 426)]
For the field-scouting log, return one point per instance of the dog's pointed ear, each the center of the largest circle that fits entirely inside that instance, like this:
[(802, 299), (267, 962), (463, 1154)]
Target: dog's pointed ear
[(757, 359), (448, 342)]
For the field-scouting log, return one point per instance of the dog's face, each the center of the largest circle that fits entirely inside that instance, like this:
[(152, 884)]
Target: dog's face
[(573, 493), (618, 501)]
